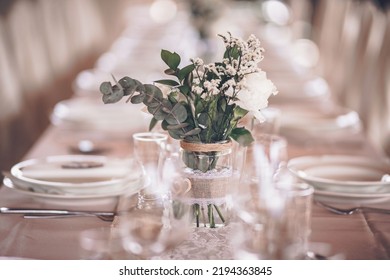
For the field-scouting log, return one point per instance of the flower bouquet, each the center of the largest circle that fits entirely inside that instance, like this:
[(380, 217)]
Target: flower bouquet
[(202, 105)]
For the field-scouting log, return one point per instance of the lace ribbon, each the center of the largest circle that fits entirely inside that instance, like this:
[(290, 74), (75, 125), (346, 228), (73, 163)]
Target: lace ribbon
[(209, 187)]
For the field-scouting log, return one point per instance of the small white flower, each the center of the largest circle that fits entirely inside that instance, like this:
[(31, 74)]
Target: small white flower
[(197, 61), (230, 70), (197, 89)]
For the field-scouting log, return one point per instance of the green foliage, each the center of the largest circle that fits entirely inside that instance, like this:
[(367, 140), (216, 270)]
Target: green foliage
[(183, 113), (171, 59), (242, 136)]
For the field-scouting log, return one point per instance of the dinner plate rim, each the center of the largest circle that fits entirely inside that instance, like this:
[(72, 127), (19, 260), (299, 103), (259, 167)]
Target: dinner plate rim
[(7, 182), (57, 158), (326, 123), (351, 195), (345, 158)]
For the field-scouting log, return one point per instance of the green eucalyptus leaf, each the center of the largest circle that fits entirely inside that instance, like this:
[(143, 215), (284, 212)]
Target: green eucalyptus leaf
[(164, 125), (242, 136), (165, 110), (126, 82), (131, 85), (177, 115), (203, 118), (152, 123), (167, 82), (137, 99), (194, 131), (153, 96), (105, 88), (160, 109), (170, 59), (177, 126), (157, 113), (176, 134), (154, 90), (114, 97)]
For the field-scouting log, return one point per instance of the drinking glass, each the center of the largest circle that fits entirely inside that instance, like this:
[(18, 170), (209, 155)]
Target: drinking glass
[(265, 158), (149, 148), (271, 125), (101, 243), (148, 232), (295, 227), (273, 224)]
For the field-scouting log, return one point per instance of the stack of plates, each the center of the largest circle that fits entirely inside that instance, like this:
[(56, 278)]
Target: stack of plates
[(344, 177), (75, 176)]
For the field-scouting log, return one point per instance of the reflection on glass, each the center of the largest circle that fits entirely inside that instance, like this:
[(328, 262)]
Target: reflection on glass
[(148, 232), (149, 149)]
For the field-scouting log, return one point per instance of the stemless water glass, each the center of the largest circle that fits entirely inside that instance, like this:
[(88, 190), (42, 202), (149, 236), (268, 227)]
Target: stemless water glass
[(147, 233), (265, 158), (101, 243), (275, 149), (295, 229), (273, 224), (271, 125), (149, 148)]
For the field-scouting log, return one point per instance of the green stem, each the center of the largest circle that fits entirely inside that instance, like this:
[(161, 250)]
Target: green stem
[(219, 213), (196, 212), (203, 216), (211, 215)]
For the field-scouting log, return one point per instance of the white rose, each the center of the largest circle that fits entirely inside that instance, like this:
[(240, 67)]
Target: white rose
[(254, 93)]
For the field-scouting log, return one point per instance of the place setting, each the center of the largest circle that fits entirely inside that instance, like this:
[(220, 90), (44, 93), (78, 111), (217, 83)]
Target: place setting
[(344, 179), (74, 179)]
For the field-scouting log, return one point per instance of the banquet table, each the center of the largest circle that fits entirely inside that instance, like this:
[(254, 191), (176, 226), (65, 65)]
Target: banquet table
[(358, 236), (363, 235)]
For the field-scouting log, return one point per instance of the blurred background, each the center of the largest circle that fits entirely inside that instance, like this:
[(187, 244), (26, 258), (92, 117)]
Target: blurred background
[(54, 50)]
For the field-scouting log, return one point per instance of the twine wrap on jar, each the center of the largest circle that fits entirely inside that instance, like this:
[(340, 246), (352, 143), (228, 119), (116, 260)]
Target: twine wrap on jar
[(208, 187)]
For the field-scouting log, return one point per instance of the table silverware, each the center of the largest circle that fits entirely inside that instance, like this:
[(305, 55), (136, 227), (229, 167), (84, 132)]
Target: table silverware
[(40, 216), (52, 213), (351, 210)]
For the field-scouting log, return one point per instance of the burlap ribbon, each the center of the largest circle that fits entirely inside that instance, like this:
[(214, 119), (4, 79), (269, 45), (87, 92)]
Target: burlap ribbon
[(206, 147)]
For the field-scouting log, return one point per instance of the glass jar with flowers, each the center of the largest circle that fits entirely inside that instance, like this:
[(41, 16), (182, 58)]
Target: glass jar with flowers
[(203, 108)]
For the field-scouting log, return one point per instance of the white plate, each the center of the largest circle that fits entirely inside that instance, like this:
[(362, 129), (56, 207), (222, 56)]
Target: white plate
[(93, 114), (359, 176), (132, 188), (316, 120), (329, 196), (75, 175)]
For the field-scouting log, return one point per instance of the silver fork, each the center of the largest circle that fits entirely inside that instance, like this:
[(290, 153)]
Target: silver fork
[(349, 211)]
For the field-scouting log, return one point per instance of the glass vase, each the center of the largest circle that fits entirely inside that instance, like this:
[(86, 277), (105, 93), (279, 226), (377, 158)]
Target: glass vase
[(209, 167)]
